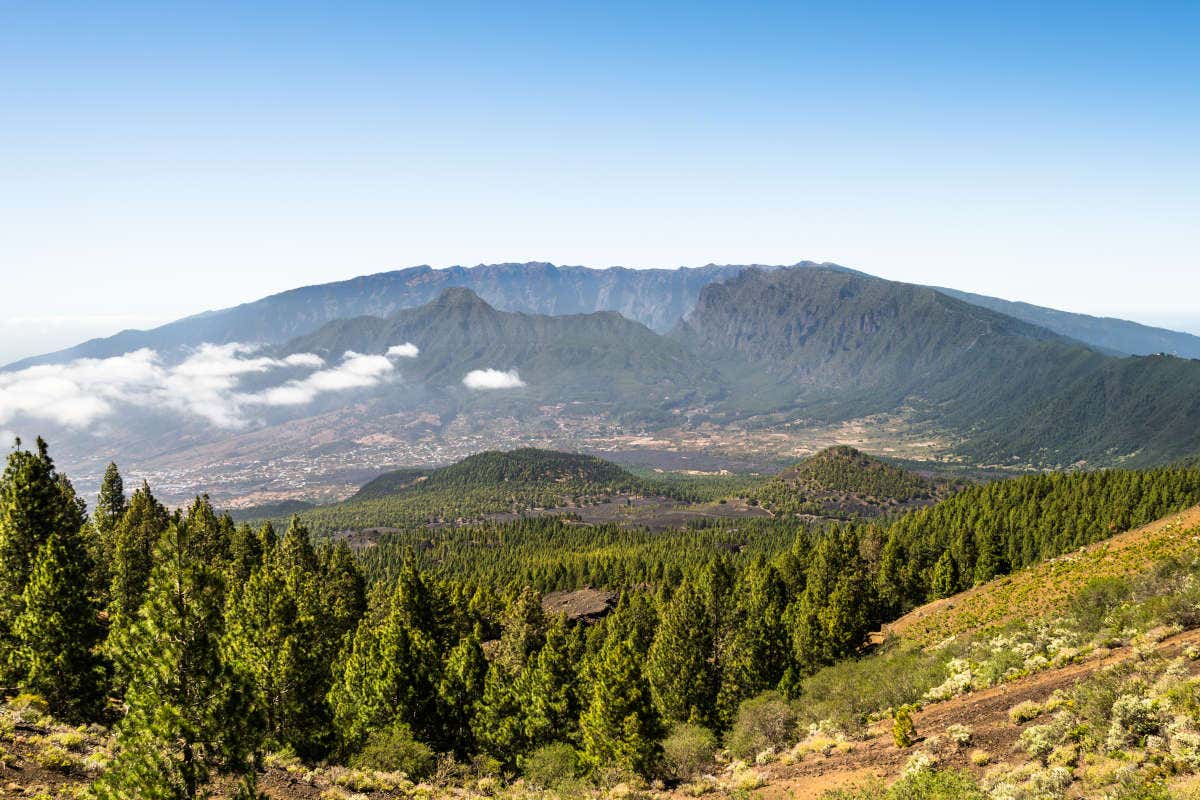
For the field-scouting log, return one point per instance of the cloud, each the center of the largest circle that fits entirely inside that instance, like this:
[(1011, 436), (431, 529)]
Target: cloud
[(492, 379), (356, 371), (406, 350), (206, 384)]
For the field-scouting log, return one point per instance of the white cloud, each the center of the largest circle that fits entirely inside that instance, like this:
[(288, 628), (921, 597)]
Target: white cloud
[(356, 371), (205, 384), (492, 379), (406, 350)]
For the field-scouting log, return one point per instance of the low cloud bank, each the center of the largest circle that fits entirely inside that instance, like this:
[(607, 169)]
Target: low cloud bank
[(483, 379), (205, 384)]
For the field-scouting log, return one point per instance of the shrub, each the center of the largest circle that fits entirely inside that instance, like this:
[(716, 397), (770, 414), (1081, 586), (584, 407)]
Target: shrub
[(960, 735), (904, 732), (765, 721), (1024, 711), (930, 784), (688, 750), (554, 766), (395, 749), (1038, 741), (1133, 719)]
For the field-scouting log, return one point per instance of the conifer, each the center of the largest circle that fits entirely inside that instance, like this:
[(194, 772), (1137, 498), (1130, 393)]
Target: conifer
[(58, 631), (187, 711)]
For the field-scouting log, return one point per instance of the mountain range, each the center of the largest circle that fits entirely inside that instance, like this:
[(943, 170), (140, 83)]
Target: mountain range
[(767, 362), (658, 298)]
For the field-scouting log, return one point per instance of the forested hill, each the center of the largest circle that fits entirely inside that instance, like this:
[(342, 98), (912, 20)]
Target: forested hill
[(844, 482), (843, 344), (526, 467)]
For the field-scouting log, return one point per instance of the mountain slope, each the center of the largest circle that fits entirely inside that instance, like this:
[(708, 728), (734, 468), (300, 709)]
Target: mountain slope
[(658, 298), (655, 297), (600, 358), (1115, 336), (834, 344)]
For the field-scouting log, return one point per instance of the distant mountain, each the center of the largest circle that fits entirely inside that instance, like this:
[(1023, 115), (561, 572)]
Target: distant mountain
[(844, 482), (657, 298), (600, 358), (840, 345), (1116, 336)]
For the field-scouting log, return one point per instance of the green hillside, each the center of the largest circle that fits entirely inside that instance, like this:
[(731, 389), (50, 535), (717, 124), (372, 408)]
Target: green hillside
[(843, 482), (602, 359), (834, 345)]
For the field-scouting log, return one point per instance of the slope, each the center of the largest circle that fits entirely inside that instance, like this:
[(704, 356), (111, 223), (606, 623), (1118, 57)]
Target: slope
[(834, 345), (600, 358), (843, 482), (657, 298), (1116, 336)]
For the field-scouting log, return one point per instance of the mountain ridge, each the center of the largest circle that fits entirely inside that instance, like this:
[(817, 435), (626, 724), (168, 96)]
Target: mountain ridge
[(658, 298)]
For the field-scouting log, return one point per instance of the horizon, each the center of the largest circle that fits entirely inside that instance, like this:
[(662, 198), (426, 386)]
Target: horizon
[(1043, 155)]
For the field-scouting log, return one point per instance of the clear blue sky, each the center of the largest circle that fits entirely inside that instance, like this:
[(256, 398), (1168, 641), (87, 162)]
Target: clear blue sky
[(158, 159)]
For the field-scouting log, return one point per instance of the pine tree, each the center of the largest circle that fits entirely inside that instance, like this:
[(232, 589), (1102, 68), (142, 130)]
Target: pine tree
[(187, 712), (111, 504), (551, 707), (460, 692), (280, 637), (679, 665), (31, 508), (134, 539), (944, 579), (58, 630), (391, 672), (756, 655), (620, 727)]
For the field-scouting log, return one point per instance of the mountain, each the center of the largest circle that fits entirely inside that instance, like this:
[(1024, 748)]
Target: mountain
[(1116, 336), (844, 482), (654, 297), (836, 345), (600, 358), (657, 298)]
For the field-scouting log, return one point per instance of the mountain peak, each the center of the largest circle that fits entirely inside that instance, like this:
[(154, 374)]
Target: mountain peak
[(459, 297)]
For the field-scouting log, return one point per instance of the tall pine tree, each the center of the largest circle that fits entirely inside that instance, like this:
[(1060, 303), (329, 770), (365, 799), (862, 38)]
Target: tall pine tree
[(187, 713)]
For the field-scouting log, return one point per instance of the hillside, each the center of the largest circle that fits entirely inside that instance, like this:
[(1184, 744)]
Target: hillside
[(842, 482), (834, 345), (601, 358), (1115, 336), (526, 467)]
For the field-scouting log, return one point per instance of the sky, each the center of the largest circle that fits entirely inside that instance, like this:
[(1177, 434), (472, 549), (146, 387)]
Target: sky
[(160, 159)]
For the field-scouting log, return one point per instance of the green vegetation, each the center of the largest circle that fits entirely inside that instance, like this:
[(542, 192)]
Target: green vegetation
[(492, 484), (430, 652), (842, 482)]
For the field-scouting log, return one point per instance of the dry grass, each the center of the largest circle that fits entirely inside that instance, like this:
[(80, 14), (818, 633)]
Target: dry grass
[(1048, 588)]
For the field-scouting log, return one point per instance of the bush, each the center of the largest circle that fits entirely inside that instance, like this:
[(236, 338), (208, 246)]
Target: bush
[(765, 721), (553, 766), (688, 750), (904, 732), (394, 749), (1024, 711)]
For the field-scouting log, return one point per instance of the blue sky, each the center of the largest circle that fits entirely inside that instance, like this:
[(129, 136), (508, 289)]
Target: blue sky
[(158, 159)]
